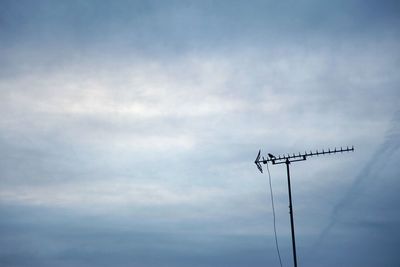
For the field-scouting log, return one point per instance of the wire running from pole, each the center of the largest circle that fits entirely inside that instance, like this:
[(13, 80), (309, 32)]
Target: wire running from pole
[(273, 213)]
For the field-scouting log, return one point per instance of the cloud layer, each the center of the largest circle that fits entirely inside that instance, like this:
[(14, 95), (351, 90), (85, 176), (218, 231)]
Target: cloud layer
[(128, 132)]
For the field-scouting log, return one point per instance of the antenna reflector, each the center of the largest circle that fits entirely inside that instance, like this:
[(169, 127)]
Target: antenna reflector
[(257, 162)]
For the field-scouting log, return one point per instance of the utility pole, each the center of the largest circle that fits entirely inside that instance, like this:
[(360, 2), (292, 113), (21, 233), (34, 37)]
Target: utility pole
[(287, 159)]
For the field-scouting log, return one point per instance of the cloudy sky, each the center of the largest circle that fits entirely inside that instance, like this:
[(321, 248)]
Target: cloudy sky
[(128, 132)]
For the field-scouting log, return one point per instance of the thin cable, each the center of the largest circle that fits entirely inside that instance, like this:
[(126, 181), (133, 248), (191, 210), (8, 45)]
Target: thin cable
[(273, 213)]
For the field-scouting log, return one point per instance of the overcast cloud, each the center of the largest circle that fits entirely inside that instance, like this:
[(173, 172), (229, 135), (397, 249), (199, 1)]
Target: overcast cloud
[(129, 130)]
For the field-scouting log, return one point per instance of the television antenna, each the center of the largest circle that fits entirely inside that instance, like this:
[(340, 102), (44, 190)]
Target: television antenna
[(287, 159)]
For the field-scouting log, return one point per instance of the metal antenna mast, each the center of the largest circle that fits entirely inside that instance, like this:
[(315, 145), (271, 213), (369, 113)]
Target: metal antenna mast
[(287, 160)]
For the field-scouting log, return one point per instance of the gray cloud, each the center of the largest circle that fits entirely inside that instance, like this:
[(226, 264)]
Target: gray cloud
[(68, 239), (368, 205)]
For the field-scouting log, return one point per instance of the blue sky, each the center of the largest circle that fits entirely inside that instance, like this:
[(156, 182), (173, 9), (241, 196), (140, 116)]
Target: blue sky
[(129, 130)]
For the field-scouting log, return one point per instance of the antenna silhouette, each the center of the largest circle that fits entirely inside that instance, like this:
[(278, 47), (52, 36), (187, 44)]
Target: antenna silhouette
[(287, 160)]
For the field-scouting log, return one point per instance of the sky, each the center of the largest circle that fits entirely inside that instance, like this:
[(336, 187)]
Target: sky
[(129, 129)]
